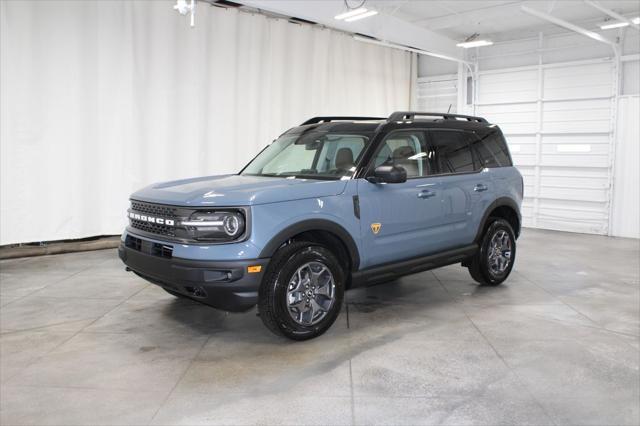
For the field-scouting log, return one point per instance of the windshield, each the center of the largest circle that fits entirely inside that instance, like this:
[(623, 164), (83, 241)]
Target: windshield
[(312, 155)]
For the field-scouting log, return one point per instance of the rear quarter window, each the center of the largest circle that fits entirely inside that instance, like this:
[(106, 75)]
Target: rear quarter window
[(492, 149), (452, 151)]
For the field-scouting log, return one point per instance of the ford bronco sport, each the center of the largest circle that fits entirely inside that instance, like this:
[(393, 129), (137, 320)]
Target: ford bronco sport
[(332, 204)]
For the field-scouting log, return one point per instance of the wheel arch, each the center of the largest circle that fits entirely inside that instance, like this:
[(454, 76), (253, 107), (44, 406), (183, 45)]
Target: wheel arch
[(505, 208), (322, 231)]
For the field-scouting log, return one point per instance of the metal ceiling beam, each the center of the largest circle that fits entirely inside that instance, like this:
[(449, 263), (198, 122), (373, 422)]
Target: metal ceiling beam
[(452, 20), (382, 26), (411, 49), (568, 25), (611, 13)]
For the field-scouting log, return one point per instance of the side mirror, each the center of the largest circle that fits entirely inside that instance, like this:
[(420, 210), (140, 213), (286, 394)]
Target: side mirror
[(388, 174)]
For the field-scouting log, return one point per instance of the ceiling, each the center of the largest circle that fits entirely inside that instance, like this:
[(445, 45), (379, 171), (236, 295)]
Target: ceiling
[(437, 25), (498, 20)]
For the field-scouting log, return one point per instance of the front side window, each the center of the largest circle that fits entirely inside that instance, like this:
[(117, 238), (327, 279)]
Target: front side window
[(452, 151), (406, 149), (314, 155)]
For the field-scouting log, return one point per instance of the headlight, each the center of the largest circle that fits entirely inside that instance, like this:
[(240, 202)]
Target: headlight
[(215, 225)]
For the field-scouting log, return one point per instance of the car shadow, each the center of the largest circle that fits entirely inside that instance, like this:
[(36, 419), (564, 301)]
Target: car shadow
[(407, 299)]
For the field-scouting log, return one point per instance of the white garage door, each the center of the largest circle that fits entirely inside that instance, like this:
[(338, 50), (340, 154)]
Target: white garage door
[(558, 123), (438, 94)]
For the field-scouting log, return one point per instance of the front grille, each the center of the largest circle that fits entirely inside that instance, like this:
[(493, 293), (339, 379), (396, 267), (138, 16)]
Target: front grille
[(153, 209), (153, 228), (144, 216), (156, 211)]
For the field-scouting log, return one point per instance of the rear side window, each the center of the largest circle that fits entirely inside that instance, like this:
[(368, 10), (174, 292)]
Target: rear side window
[(492, 150), (452, 151)]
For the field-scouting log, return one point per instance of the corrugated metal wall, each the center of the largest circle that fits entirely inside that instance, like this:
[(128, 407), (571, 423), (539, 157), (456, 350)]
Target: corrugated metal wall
[(558, 122), (438, 94)]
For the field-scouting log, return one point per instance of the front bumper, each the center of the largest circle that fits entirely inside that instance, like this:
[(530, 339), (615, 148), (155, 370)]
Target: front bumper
[(224, 284)]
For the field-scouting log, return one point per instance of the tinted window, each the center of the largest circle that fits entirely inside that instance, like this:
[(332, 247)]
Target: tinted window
[(407, 150), (452, 151), (492, 150)]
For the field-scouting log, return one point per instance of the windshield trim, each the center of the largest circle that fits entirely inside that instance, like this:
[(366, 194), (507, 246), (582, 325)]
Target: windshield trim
[(303, 177)]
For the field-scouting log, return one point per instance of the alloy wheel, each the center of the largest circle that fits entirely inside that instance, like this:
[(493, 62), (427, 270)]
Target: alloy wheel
[(310, 293), (499, 256)]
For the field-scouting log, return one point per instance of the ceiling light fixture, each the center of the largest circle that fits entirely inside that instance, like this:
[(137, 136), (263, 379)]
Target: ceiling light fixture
[(351, 13), (610, 25), (354, 15), (636, 20), (475, 43), (362, 16), (184, 9)]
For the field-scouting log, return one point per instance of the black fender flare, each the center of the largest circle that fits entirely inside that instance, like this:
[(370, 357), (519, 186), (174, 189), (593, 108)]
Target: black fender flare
[(314, 225), (499, 202)]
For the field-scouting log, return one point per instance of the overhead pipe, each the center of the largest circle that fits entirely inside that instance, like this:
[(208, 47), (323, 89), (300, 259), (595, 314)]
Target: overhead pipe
[(612, 14), (568, 25)]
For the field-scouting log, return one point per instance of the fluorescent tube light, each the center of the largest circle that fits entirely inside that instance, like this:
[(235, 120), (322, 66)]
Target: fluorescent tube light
[(351, 13), (610, 25), (475, 43), (362, 16)]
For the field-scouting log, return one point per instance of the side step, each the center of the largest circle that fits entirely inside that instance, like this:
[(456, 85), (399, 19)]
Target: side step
[(391, 271)]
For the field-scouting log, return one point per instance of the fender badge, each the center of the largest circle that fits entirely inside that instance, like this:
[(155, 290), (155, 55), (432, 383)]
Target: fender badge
[(375, 227)]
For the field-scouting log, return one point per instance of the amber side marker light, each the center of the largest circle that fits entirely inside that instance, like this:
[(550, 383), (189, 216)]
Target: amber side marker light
[(254, 269)]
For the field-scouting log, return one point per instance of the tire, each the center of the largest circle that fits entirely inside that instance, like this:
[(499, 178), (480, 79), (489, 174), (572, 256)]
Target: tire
[(173, 293), (285, 304), (484, 267)]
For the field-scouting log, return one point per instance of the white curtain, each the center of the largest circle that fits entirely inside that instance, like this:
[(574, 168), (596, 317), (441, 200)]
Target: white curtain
[(100, 98)]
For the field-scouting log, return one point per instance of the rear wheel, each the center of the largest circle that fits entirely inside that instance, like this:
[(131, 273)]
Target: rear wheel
[(493, 262), (302, 292)]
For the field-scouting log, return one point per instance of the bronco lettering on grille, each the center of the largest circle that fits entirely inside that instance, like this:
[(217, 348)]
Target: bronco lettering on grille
[(152, 219)]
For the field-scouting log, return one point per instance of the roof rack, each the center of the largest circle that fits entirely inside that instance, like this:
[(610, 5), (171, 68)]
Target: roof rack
[(409, 115), (315, 120)]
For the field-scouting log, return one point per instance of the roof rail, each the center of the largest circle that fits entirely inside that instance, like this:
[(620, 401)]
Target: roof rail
[(410, 115), (315, 120)]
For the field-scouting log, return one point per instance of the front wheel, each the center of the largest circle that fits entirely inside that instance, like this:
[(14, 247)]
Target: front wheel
[(302, 293), (493, 262)]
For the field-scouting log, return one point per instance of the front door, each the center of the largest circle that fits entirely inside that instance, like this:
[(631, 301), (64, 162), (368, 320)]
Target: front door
[(400, 221)]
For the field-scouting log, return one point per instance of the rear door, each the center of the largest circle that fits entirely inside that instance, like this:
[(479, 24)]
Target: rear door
[(465, 188)]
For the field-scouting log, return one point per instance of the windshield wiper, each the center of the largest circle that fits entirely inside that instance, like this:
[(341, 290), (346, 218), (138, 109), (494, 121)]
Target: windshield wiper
[(295, 176)]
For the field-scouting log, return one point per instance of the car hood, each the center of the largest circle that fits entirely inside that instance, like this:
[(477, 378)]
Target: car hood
[(236, 190)]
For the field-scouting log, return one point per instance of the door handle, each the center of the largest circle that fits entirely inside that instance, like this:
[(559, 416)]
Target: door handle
[(480, 187), (426, 194)]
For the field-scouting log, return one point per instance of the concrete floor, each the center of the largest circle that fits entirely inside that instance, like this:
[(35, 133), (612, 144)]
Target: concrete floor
[(83, 342)]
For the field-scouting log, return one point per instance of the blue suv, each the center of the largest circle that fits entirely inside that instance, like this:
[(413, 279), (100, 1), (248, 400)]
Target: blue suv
[(332, 204)]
